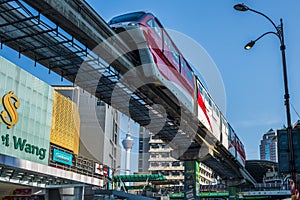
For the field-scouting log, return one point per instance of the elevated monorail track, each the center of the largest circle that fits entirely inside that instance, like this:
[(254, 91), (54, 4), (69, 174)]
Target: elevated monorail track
[(61, 35)]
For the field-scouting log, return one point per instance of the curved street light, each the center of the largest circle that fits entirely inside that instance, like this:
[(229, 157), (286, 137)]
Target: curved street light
[(279, 34), (250, 44)]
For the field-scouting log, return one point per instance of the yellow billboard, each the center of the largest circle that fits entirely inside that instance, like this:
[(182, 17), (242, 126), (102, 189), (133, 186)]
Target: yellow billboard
[(65, 129)]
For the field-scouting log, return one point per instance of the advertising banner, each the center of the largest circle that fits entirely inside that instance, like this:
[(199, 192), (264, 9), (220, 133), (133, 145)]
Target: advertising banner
[(105, 171), (26, 114), (110, 173), (62, 157), (65, 123), (98, 169), (191, 180)]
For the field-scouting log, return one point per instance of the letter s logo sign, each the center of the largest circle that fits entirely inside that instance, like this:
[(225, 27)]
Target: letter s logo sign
[(9, 115)]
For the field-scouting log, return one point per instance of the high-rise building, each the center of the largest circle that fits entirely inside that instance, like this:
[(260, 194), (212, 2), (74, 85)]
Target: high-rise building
[(144, 147), (99, 127), (268, 146), (156, 155), (160, 161)]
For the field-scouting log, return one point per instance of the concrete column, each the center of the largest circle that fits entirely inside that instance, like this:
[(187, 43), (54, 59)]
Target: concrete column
[(79, 193), (52, 194)]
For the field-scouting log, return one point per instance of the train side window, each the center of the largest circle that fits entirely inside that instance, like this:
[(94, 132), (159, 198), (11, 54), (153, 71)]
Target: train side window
[(231, 133), (205, 97), (200, 88), (186, 71), (167, 42), (175, 53), (170, 52), (175, 56), (224, 122), (208, 100), (216, 110)]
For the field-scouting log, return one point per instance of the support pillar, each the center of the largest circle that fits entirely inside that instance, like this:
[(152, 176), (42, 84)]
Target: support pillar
[(232, 193)]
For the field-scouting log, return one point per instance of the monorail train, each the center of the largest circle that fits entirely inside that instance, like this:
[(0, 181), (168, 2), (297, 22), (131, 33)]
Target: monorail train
[(176, 74)]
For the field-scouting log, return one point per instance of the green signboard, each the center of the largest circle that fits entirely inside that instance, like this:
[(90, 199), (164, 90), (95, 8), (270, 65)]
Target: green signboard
[(176, 195), (25, 114), (232, 193), (191, 180), (213, 194)]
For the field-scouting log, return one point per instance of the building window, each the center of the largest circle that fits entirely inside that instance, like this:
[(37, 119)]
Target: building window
[(165, 155), (154, 164), (165, 173), (175, 173), (165, 164), (155, 146), (176, 164), (154, 155), (154, 137), (116, 139), (115, 127)]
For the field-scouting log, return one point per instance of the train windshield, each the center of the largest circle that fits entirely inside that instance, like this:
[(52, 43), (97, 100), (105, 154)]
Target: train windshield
[(127, 17)]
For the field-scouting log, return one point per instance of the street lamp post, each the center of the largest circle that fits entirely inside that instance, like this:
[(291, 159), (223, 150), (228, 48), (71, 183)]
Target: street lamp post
[(279, 34)]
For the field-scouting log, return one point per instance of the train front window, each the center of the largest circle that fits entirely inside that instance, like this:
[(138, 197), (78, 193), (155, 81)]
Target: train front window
[(130, 17), (151, 23), (157, 29)]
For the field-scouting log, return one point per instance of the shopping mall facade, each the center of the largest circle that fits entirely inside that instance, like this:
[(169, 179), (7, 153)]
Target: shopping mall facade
[(40, 154)]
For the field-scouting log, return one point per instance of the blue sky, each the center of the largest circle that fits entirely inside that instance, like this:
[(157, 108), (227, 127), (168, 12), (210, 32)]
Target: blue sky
[(253, 79)]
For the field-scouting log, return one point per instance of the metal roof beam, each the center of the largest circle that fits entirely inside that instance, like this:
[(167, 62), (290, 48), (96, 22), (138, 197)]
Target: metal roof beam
[(8, 10), (28, 35), (45, 46), (4, 2), (53, 66), (61, 55), (20, 21)]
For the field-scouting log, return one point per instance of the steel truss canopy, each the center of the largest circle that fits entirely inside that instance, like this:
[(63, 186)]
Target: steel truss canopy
[(24, 172), (60, 35)]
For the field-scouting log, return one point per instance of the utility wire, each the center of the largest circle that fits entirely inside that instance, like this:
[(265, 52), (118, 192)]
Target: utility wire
[(295, 110)]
